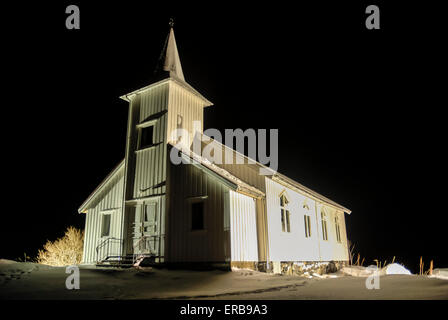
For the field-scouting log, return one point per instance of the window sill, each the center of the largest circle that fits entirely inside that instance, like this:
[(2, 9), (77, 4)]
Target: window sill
[(147, 148)]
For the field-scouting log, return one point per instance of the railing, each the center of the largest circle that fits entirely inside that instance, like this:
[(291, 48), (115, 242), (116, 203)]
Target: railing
[(147, 246), (110, 248)]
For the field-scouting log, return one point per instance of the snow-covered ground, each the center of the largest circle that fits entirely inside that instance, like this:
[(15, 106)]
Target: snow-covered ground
[(33, 281)]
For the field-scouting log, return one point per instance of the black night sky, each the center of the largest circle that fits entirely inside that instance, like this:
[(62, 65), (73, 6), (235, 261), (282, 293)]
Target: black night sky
[(359, 112)]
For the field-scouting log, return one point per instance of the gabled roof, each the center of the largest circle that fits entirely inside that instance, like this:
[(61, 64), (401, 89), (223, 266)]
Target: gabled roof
[(236, 183), (98, 190), (282, 179), (278, 177), (239, 184)]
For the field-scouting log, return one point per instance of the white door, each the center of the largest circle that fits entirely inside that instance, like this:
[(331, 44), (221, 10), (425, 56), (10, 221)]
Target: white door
[(146, 228)]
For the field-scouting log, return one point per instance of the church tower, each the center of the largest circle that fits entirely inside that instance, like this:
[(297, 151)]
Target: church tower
[(155, 111)]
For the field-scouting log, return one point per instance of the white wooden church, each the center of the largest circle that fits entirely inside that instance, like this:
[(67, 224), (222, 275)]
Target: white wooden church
[(202, 213)]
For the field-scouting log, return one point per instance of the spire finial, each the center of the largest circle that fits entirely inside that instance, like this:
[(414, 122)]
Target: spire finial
[(171, 23), (169, 57)]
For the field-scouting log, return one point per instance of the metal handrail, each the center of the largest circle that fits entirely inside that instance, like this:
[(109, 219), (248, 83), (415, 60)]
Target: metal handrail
[(102, 256)]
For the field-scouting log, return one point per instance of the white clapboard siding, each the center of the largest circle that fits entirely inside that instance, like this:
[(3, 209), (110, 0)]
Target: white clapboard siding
[(189, 106), (188, 184), (294, 245), (331, 249), (243, 227), (150, 168), (109, 202)]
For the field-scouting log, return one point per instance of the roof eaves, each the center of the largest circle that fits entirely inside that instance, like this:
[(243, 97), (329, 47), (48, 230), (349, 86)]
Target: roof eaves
[(98, 189), (313, 194), (127, 97), (240, 185)]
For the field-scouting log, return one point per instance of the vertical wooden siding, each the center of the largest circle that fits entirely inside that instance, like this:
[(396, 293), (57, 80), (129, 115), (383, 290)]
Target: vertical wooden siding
[(150, 168), (243, 228), (189, 106), (110, 201), (187, 184)]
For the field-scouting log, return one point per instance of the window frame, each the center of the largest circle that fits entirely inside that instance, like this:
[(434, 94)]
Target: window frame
[(140, 128), (285, 213), (191, 204), (338, 229), (103, 217), (323, 221), (307, 225), (307, 220)]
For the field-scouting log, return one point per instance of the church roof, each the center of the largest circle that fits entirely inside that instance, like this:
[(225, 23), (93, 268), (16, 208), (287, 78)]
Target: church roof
[(251, 164), (239, 184), (117, 171)]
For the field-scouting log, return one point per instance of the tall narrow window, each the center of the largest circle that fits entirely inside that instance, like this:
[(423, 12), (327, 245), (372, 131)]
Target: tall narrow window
[(146, 137), (324, 225), (179, 121), (338, 229), (285, 215), (105, 225), (197, 216), (307, 223)]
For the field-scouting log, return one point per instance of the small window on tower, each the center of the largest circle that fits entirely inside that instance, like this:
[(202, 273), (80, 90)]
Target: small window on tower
[(197, 216), (146, 137), (179, 127)]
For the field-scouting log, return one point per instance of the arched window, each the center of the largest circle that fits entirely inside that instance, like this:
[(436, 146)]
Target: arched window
[(323, 217), (307, 221), (338, 228), (285, 215)]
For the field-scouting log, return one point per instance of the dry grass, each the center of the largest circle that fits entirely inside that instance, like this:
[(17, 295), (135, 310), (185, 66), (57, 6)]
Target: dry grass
[(381, 264), (63, 251), (422, 267), (358, 261)]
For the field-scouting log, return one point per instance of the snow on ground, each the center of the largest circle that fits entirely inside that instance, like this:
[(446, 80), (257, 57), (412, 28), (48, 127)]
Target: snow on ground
[(390, 269), (396, 268), (33, 281), (440, 274)]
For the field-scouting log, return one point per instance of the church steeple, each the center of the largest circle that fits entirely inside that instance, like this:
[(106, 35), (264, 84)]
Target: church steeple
[(172, 60), (169, 59), (169, 69)]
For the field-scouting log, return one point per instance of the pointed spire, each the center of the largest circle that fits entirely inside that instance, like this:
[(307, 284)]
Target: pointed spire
[(171, 55)]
